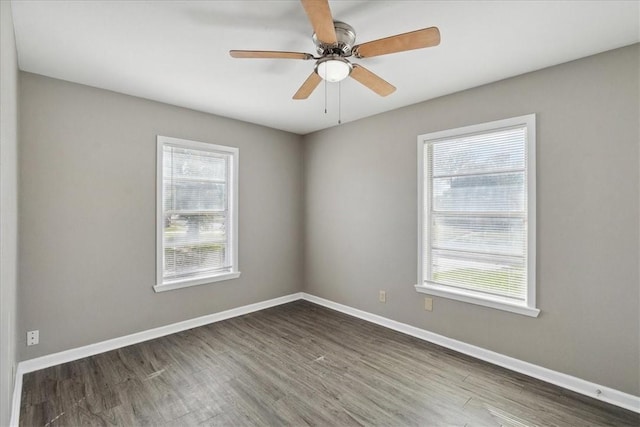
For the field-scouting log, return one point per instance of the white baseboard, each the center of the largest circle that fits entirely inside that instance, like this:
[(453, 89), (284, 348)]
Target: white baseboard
[(587, 388), (569, 382), (15, 403), (115, 343)]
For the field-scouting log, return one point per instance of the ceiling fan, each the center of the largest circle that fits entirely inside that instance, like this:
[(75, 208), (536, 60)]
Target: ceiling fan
[(334, 42)]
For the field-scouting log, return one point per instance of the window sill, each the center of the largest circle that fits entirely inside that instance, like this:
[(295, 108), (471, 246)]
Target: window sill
[(178, 284), (474, 299)]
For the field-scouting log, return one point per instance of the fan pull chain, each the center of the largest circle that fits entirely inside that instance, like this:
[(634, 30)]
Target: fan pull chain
[(325, 96), (339, 102)]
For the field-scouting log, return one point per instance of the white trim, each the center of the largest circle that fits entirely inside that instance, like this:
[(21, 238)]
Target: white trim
[(569, 382), (467, 296), (115, 343), (587, 388), (530, 146), (420, 198), (529, 307), (17, 396), (70, 355), (169, 286), (232, 197), (159, 212)]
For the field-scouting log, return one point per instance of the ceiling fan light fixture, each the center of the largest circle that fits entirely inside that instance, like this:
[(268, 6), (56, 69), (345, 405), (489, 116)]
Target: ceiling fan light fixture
[(333, 68)]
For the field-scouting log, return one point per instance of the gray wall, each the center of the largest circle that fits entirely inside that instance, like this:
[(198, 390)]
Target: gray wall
[(361, 217), (344, 225), (87, 214), (8, 207)]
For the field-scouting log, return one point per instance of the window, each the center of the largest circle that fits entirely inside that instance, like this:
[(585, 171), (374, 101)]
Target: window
[(197, 213), (477, 214)]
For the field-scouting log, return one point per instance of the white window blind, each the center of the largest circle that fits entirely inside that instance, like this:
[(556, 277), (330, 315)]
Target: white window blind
[(196, 211), (475, 203)]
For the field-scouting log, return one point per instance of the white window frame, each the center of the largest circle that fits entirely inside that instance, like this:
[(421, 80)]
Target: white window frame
[(233, 152), (528, 307)]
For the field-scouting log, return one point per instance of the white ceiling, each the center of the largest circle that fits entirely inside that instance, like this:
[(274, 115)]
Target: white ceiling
[(177, 52)]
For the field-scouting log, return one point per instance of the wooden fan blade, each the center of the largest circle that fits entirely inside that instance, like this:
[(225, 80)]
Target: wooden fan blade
[(372, 81), (321, 20), (308, 86), (419, 39), (269, 54)]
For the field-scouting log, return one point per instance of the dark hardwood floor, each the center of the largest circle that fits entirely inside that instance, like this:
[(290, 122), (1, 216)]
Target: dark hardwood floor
[(298, 364)]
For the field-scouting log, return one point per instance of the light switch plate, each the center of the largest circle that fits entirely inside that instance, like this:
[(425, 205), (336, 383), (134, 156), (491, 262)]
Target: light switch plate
[(428, 304)]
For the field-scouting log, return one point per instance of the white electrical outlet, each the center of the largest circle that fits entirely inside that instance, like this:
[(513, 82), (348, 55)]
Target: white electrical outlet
[(382, 296), (33, 337)]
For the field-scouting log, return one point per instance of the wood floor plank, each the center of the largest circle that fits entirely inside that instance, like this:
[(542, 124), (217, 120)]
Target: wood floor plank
[(298, 364)]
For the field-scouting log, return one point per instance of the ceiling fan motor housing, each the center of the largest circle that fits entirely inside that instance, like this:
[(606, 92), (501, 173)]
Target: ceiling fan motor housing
[(346, 37)]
